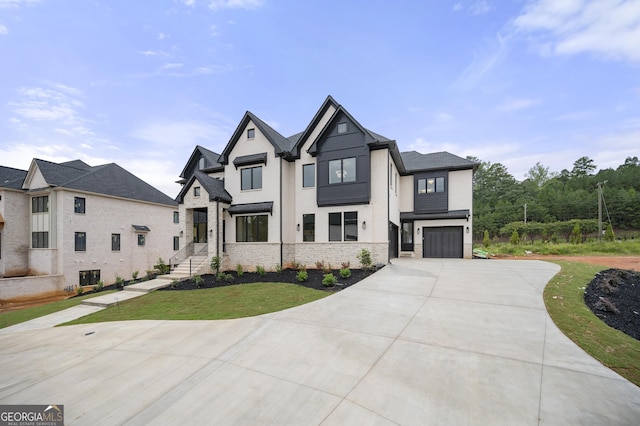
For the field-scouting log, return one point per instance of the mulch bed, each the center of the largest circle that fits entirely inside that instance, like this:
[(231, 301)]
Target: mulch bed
[(614, 296), (314, 279)]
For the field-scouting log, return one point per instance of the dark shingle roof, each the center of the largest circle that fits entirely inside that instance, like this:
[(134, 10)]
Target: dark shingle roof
[(213, 186), (281, 143), (415, 161), (11, 178), (107, 179)]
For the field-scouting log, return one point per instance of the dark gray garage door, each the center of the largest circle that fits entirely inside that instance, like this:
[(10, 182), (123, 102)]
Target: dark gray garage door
[(442, 242)]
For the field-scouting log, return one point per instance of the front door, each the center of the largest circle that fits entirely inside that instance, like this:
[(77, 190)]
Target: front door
[(200, 225), (393, 241)]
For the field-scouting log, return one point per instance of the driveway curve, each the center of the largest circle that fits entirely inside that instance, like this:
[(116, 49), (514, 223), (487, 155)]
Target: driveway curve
[(423, 341)]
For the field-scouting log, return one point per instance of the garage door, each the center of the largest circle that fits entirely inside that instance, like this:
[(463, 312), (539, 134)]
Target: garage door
[(442, 242)]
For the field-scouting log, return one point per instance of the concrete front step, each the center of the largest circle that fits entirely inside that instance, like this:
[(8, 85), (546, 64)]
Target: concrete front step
[(134, 290)]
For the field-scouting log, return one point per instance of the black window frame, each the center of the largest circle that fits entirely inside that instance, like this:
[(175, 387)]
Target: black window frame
[(309, 227), (115, 242), (254, 176), (80, 241), (176, 243), (343, 175), (255, 228), (176, 217), (342, 128), (79, 205), (196, 191), (141, 240), (437, 186), (91, 277), (311, 175), (406, 230), (40, 204), (40, 239), (350, 223), (251, 133)]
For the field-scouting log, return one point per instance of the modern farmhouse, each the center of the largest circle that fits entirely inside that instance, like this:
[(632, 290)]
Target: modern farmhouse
[(323, 194), (69, 224)]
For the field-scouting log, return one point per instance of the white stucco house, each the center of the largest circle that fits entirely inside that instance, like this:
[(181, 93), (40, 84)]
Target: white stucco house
[(69, 224), (323, 194)]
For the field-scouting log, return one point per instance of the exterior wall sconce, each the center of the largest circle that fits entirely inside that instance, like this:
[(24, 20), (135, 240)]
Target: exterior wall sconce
[(467, 216), (210, 232), (364, 224), (418, 231), (467, 229), (298, 227), (181, 233)]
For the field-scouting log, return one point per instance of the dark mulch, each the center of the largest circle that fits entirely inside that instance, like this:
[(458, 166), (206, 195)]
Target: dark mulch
[(614, 296), (314, 279)]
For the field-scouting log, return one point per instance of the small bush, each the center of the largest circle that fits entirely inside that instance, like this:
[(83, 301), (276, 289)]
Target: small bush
[(365, 259), (278, 268), (119, 281), (346, 265), (174, 283), (220, 276), (99, 286), (79, 290), (319, 265), (134, 275), (261, 271), (515, 238), (239, 270), (345, 272), (228, 278), (162, 267), (609, 236), (329, 280), (327, 268), (302, 276), (215, 264), (198, 281), (486, 241)]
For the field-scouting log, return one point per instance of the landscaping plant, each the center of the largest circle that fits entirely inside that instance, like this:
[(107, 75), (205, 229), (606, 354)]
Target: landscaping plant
[(329, 280)]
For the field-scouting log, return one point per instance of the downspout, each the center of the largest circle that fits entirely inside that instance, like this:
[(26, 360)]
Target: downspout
[(388, 208), (281, 244), (217, 228)]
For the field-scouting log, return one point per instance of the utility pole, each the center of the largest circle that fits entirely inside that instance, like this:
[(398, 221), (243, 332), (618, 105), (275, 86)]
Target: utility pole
[(525, 212), (599, 184)]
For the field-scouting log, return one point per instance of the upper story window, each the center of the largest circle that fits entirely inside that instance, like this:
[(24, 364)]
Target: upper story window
[(39, 240), (251, 133), (141, 239), (430, 185), (251, 178), (342, 128), (81, 241), (308, 175), (115, 242), (176, 217), (342, 171), (196, 191), (78, 205), (201, 163), (40, 204)]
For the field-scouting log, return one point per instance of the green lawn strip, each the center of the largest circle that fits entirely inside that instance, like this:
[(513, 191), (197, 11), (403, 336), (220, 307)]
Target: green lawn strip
[(21, 315), (616, 248), (235, 301), (564, 299)]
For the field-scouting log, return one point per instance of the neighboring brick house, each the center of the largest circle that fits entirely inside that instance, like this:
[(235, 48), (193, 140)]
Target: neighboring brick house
[(323, 195), (73, 224)]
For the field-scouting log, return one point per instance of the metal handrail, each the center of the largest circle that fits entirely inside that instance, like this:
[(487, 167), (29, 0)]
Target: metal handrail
[(182, 255)]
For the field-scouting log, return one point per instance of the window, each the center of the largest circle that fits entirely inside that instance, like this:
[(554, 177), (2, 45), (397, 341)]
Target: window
[(251, 178), (406, 236), (115, 242), (350, 226), (176, 217), (308, 175), (81, 241), (39, 240), (40, 204), (196, 191), (201, 163), (140, 239), (342, 127), (89, 277), (430, 185), (251, 133), (78, 205), (176, 243), (252, 228), (342, 171), (308, 227)]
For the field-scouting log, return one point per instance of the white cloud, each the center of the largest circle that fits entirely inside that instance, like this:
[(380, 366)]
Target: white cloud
[(3, 29), (44, 104), (517, 104), (479, 8), (235, 4), (492, 52), (576, 116), (162, 36), (16, 3), (184, 133), (457, 7), (609, 29), (168, 66), (213, 31), (153, 53), (444, 117)]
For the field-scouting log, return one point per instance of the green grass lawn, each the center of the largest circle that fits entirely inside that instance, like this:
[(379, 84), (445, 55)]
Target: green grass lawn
[(235, 301), (22, 315), (564, 299), (594, 248)]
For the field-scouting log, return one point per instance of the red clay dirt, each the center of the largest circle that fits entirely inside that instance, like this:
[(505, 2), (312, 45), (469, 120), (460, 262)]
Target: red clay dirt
[(617, 262)]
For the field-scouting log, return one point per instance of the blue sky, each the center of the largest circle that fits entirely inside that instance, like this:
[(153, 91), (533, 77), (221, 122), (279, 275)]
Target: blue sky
[(141, 83)]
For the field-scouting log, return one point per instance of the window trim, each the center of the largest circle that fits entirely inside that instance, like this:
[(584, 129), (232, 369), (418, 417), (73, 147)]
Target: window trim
[(113, 240), (41, 238), (251, 133), (196, 191), (341, 172), (141, 240), (352, 225), (40, 204), (79, 205), (425, 187), (248, 230), (176, 243), (252, 175), (80, 241), (176, 217), (342, 128)]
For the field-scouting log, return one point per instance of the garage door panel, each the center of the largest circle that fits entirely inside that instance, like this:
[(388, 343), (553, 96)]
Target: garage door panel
[(442, 242)]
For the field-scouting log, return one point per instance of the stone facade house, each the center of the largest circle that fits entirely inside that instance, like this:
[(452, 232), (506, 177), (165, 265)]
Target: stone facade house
[(323, 194), (69, 224)]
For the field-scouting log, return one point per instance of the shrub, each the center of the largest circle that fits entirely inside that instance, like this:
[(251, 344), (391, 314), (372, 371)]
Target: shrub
[(365, 258), (220, 276), (345, 272), (278, 268), (174, 283), (486, 241), (327, 268), (162, 267), (515, 238), (329, 280), (198, 281), (134, 275), (99, 286), (346, 265), (79, 290), (302, 275), (228, 278), (119, 281), (239, 270), (260, 270), (576, 234), (609, 236), (319, 265), (215, 264)]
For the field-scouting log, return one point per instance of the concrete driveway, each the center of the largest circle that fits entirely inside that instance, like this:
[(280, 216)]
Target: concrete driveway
[(420, 342)]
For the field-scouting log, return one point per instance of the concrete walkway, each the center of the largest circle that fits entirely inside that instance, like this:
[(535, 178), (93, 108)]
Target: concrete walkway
[(422, 341)]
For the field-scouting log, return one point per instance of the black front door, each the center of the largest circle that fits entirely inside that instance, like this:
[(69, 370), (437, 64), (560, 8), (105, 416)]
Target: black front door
[(393, 241), (200, 226)]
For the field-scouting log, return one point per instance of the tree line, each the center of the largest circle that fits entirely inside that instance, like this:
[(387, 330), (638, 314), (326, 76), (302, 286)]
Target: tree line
[(555, 197)]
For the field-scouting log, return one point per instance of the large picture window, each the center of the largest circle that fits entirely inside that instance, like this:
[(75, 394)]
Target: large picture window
[(430, 185), (350, 230), (342, 171), (252, 228), (251, 178), (308, 227)]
